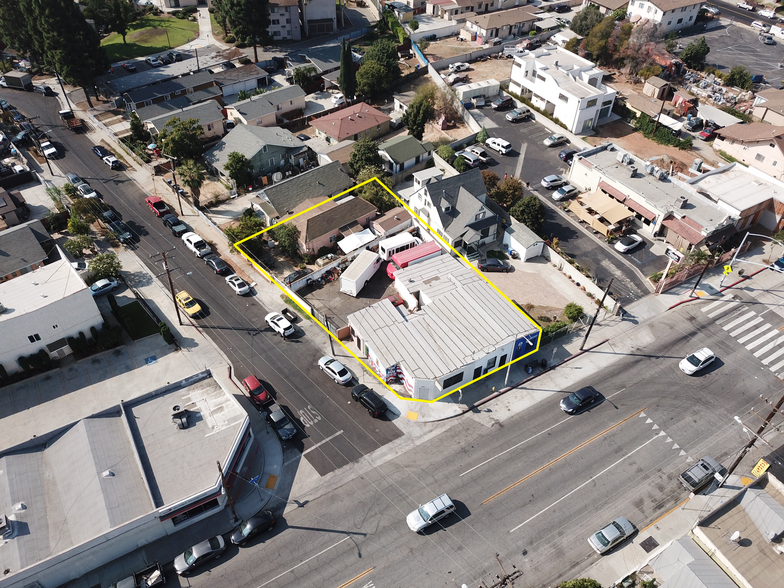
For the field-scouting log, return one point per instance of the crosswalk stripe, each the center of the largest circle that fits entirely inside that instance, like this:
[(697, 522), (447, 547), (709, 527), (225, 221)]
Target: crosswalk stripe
[(713, 305), (738, 321), (770, 358), (769, 346), (753, 334), (748, 325), (730, 316), (724, 309), (777, 367), (761, 340)]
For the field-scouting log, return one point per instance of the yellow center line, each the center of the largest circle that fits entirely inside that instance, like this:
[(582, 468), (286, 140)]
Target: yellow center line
[(352, 580), (557, 459)]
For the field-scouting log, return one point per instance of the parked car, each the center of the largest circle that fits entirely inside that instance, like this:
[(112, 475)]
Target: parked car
[(767, 40), (700, 474), (198, 246), (429, 513), (778, 265), (104, 286), (616, 532), (495, 41), (492, 264), (258, 523), (745, 6), (568, 154), (479, 151), (219, 266), (121, 230), (762, 26), (153, 62), (518, 114), (257, 393), (470, 159), (627, 243), (227, 65), (564, 192), (696, 361), (767, 13), (693, 124), (502, 103), (280, 324), (338, 99), (74, 180), (294, 276), (101, 151), (158, 206), (186, 302), (86, 191), (707, 134), (129, 67), (374, 404), (335, 370), (43, 89), (581, 400), (555, 140), (497, 144), (111, 161), (553, 181), (460, 66), (283, 427), (202, 552), (561, 8), (710, 10), (237, 284)]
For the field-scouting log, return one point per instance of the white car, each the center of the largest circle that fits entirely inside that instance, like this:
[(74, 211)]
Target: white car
[(338, 99), (280, 324), (767, 13), (763, 26), (496, 144), (604, 540), (104, 286), (627, 243), (196, 244), (429, 513), (477, 150), (470, 158), (710, 9), (49, 150), (745, 6), (85, 191), (766, 39), (564, 192), (237, 284), (335, 370), (111, 161), (555, 140), (553, 181), (693, 363), (461, 66)]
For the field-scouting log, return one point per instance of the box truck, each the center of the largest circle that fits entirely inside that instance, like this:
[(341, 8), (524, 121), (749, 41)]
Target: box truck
[(18, 80), (359, 273)]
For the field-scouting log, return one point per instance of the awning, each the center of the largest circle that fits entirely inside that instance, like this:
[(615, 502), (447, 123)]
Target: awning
[(680, 228), (355, 241), (607, 207), (582, 213), (640, 209), (614, 192)]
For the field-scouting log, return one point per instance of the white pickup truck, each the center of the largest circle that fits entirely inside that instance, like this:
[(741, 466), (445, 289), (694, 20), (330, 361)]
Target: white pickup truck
[(49, 151), (745, 6)]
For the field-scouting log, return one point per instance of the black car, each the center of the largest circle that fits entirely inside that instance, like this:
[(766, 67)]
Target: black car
[(169, 220), (561, 8), (101, 151), (180, 229), (297, 275), (374, 404), (502, 103), (217, 264), (122, 231), (258, 523), (494, 265), (43, 89), (693, 124), (568, 154), (581, 400)]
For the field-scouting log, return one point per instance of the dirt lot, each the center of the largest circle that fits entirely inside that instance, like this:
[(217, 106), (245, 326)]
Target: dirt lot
[(447, 47)]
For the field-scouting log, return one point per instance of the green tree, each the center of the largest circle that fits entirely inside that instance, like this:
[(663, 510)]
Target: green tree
[(585, 20), (239, 169), (363, 155), (287, 236), (348, 73), (739, 77), (580, 583), (530, 212), (414, 25), (375, 193), (303, 76), (14, 24), (573, 311), (572, 45), (182, 138), (482, 135), (249, 21), (77, 245), (86, 208), (371, 79), (247, 225), (139, 133), (99, 11), (460, 164), (650, 71), (383, 52), (779, 237), (695, 53), (192, 175), (446, 153), (416, 116), (598, 40), (508, 191), (105, 265), (671, 42), (77, 226), (121, 16), (243, 95)]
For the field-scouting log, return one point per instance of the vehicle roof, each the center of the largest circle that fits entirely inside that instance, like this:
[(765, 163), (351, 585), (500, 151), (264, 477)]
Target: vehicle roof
[(703, 353), (586, 392)]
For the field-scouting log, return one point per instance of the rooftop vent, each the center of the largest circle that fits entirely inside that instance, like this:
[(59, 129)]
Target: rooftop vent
[(180, 417), (681, 201), (632, 171)]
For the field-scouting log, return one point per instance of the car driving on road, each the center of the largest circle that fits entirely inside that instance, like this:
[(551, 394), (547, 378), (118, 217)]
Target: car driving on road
[(581, 400), (429, 513), (698, 360)]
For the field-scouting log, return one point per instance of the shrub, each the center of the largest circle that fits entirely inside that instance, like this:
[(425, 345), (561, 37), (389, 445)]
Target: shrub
[(230, 39), (460, 164), (573, 311), (245, 61), (414, 25), (166, 333), (553, 327), (324, 251), (109, 336), (44, 358), (446, 153), (423, 44)]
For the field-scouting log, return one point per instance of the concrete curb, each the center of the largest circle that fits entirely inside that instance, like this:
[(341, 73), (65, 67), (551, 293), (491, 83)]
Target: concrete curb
[(743, 279)]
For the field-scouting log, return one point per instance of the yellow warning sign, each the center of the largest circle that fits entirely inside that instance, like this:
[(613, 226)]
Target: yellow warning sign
[(759, 469), (727, 269)]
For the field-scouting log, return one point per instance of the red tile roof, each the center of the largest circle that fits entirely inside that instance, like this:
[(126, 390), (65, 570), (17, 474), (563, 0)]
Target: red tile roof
[(346, 123), (684, 230)]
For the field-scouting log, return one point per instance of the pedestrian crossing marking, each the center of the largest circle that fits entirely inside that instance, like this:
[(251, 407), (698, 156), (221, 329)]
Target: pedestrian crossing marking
[(738, 321), (753, 334), (761, 340), (748, 325)]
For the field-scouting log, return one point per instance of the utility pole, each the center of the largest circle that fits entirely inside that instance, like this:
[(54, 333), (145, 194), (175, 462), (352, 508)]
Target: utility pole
[(708, 264), (171, 285), (595, 316), (65, 94), (174, 180), (226, 490), (661, 108), (329, 334)]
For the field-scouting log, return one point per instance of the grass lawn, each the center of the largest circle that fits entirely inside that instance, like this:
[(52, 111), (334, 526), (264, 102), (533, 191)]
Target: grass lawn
[(136, 321), (148, 35)]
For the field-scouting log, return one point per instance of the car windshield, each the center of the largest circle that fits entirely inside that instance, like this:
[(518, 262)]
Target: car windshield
[(628, 241), (424, 514), (693, 360), (189, 303), (189, 557), (574, 399), (343, 372), (602, 539), (245, 528)]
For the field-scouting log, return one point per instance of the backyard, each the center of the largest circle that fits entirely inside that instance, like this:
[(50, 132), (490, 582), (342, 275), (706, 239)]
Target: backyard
[(148, 35)]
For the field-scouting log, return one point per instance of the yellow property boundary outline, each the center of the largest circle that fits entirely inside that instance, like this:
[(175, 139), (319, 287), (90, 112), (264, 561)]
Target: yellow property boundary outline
[(435, 235)]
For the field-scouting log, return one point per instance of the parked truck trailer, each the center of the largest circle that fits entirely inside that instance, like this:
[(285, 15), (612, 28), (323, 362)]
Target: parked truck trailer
[(359, 273), (18, 80)]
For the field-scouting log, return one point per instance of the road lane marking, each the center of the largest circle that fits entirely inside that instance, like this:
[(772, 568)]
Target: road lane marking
[(352, 580), (304, 562), (753, 334), (588, 481), (330, 438), (746, 326), (738, 321), (557, 459)]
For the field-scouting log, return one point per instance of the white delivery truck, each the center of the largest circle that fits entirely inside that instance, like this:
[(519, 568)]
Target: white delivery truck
[(359, 273)]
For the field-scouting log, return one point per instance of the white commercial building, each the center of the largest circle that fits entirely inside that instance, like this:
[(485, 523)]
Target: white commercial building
[(670, 15), (40, 309), (564, 85), (457, 328)]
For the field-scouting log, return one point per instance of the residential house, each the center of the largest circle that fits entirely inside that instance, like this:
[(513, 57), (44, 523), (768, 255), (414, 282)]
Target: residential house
[(505, 23), (182, 86), (392, 222), (284, 20), (606, 6), (403, 12), (358, 121), (756, 144), (404, 154), (269, 149), (446, 300), (769, 106), (13, 209), (23, 249), (325, 58), (208, 115), (456, 209), (318, 17), (424, 177), (656, 88), (564, 85), (243, 78), (668, 15), (281, 198), (327, 223), (159, 108), (452, 9), (264, 110)]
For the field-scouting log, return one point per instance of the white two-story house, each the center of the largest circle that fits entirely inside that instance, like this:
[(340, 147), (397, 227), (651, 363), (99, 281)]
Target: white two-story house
[(564, 85), (671, 15)]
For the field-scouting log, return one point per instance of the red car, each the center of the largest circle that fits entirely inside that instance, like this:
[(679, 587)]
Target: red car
[(158, 206), (257, 393)]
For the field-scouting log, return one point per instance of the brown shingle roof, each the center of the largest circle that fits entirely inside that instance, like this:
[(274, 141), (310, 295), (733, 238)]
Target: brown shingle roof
[(665, 5), (345, 123), (331, 216), (498, 19), (751, 132), (681, 228)]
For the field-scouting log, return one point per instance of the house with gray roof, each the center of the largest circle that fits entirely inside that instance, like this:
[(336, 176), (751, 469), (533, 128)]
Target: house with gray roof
[(403, 155), (269, 149), (243, 78), (456, 209), (21, 249), (167, 90), (280, 199), (208, 114), (264, 110), (330, 221)]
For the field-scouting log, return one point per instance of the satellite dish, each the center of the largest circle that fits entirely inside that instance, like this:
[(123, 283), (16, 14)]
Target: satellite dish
[(735, 537)]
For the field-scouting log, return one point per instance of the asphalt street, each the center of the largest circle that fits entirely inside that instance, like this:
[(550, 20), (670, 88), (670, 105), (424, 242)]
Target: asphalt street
[(531, 486), (334, 432)]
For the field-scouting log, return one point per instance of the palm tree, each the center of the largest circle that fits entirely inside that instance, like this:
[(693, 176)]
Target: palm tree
[(193, 176)]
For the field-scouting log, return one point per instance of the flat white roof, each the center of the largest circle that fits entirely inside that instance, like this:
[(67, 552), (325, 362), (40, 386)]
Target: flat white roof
[(37, 289), (739, 186)]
